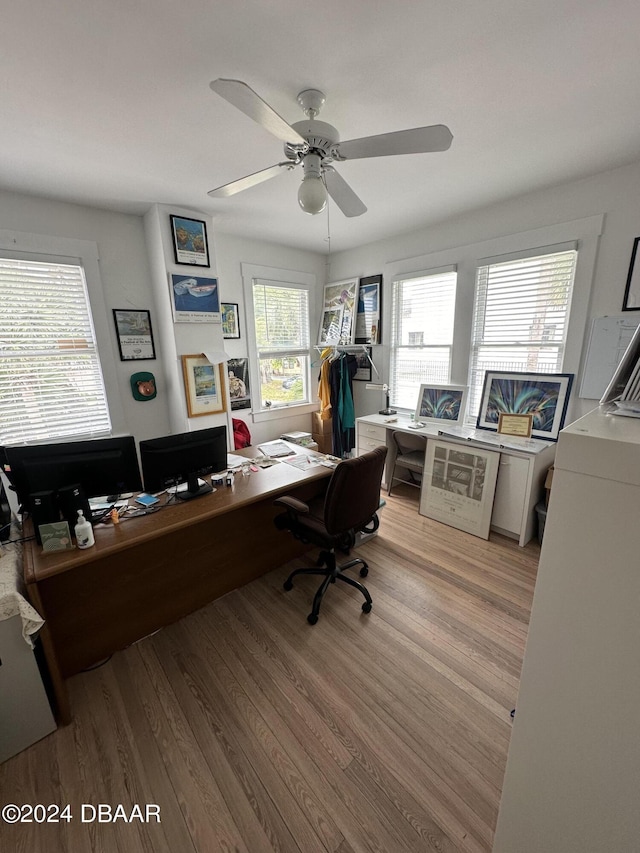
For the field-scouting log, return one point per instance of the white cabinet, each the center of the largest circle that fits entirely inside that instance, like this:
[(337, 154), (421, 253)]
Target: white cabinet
[(520, 482), (571, 782)]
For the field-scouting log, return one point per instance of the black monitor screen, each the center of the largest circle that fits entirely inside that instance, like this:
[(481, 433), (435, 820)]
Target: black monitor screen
[(102, 466), (170, 460)]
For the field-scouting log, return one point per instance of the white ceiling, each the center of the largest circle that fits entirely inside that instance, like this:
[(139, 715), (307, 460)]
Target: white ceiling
[(108, 103)]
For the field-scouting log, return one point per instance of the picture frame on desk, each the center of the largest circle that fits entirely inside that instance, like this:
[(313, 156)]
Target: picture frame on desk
[(441, 404), (543, 395), (458, 486), (203, 385)]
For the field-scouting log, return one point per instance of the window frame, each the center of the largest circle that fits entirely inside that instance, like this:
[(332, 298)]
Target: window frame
[(477, 343), (46, 248), (397, 282), (286, 278)]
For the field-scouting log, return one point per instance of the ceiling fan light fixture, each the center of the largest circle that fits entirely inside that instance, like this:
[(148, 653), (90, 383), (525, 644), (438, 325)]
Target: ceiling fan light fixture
[(312, 195)]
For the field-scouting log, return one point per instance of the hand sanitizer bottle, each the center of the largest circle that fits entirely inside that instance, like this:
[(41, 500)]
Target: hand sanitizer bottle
[(84, 532)]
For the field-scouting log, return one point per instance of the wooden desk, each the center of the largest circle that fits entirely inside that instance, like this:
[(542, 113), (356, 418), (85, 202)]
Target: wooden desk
[(150, 571), (521, 474)]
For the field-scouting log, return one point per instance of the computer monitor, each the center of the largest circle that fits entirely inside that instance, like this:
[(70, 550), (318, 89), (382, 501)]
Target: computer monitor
[(175, 459), (102, 466)]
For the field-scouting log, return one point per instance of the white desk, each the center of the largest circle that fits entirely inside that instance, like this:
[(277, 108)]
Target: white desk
[(520, 477)]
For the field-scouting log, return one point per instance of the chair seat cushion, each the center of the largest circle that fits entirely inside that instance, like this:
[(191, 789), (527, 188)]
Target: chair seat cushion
[(414, 459)]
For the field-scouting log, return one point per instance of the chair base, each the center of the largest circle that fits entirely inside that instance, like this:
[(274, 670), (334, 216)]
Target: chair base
[(331, 573)]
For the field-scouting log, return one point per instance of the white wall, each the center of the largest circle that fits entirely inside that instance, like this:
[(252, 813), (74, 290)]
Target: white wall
[(126, 250), (616, 194)]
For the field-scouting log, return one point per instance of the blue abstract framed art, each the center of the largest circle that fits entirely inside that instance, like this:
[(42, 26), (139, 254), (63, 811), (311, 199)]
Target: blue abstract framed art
[(441, 404), (543, 395)]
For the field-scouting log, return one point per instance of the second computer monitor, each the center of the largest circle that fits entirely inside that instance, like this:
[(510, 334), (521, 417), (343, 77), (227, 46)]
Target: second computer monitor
[(174, 459)]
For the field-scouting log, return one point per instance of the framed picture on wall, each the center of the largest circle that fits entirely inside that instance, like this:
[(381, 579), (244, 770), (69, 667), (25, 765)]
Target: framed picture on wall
[(340, 298), (230, 320), (369, 312), (631, 301), (194, 299), (363, 373), (239, 393), (190, 244), (543, 395), (203, 385), (134, 333), (458, 486)]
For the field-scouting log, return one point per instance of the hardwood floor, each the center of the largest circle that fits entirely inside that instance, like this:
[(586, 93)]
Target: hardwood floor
[(255, 732)]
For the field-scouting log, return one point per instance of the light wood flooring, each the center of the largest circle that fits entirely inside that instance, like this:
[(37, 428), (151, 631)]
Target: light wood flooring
[(255, 732)]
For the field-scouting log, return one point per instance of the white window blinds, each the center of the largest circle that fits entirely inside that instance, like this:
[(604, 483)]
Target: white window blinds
[(521, 316), (422, 333), (51, 385), (281, 321), (281, 314)]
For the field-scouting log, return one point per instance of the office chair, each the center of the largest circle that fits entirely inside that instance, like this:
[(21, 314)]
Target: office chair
[(410, 451), (349, 506)]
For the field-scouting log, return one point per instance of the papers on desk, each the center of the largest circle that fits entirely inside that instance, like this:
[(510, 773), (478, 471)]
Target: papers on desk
[(303, 462), (234, 461), (276, 449)]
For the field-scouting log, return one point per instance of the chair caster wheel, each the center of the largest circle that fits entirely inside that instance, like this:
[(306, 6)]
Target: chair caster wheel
[(312, 618), (287, 585), (366, 607), (364, 572)]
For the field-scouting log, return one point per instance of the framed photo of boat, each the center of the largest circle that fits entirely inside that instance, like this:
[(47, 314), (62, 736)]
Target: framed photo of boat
[(194, 299)]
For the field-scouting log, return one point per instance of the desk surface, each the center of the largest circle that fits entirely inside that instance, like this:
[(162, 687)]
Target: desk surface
[(176, 514), (152, 570)]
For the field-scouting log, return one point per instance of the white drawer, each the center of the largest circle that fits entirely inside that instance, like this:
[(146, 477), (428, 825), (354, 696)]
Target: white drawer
[(367, 444), (378, 433)]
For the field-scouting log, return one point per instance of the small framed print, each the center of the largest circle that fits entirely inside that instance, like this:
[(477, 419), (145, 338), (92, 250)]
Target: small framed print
[(134, 333), (190, 244), (363, 373), (519, 425), (230, 320), (203, 385)]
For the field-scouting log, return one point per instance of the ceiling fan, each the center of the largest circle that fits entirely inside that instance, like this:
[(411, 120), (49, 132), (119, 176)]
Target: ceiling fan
[(315, 145)]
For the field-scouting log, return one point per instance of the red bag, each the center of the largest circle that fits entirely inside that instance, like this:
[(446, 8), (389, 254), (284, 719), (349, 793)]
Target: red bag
[(241, 434)]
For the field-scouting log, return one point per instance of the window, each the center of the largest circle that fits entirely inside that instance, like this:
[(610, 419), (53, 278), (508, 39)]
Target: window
[(51, 385), (281, 322), (422, 333), (521, 316)]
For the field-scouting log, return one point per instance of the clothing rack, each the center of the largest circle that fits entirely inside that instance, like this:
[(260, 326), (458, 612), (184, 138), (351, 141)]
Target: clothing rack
[(352, 348)]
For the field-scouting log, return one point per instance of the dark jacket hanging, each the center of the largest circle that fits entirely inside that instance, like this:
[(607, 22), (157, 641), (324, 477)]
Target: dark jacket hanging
[(343, 369)]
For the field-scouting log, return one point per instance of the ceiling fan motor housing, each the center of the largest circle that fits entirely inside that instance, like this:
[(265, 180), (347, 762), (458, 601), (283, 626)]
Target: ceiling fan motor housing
[(321, 138)]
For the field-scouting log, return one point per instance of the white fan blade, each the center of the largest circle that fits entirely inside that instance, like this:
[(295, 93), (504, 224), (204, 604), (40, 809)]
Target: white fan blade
[(342, 194), (241, 96), (418, 140), (249, 181)]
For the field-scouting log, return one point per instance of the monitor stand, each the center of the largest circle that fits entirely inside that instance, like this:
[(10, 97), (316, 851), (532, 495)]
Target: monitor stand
[(193, 490)]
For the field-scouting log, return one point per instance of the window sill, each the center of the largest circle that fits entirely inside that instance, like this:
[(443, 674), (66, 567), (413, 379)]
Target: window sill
[(281, 412)]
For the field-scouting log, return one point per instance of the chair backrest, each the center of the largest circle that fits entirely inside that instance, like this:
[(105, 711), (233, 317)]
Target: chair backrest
[(406, 442), (353, 494)]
